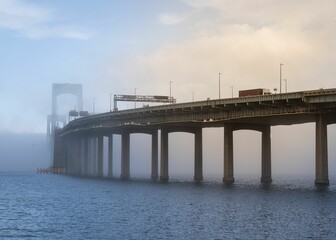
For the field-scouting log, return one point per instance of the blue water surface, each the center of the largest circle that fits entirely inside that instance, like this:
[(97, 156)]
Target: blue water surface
[(47, 206)]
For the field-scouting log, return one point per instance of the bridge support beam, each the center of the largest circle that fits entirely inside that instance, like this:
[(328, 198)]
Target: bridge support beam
[(94, 156), (86, 156), (89, 168), (266, 168), (66, 156), (110, 156), (155, 163), (77, 156), (100, 165), (321, 168), (125, 155), (164, 156), (70, 150), (198, 166), (228, 154)]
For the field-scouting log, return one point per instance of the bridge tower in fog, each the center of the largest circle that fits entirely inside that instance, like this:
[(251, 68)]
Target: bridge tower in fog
[(58, 89), (55, 118)]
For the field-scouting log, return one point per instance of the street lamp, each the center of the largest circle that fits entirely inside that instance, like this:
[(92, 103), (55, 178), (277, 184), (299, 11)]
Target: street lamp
[(281, 76), (193, 96), (110, 102), (219, 85), (135, 97), (231, 91), (170, 99), (93, 105), (285, 80)]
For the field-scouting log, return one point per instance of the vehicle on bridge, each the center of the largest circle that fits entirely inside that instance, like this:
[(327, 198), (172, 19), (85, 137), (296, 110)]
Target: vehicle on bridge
[(254, 92)]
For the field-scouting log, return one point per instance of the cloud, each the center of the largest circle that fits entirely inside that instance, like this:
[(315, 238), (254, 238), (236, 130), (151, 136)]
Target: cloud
[(172, 18), (246, 42), (36, 22)]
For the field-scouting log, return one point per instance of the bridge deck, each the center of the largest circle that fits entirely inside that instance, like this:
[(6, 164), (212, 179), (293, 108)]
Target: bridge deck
[(274, 109)]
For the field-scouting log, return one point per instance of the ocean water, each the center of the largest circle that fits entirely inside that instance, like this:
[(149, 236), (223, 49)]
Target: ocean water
[(37, 206)]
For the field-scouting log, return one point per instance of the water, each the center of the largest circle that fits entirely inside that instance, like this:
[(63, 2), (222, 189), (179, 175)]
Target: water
[(61, 207)]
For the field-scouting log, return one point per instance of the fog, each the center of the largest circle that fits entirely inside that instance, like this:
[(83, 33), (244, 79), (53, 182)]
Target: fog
[(23, 152), (112, 48), (293, 153)]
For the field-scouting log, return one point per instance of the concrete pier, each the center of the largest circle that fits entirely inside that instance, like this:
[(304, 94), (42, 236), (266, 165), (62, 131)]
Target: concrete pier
[(164, 156), (100, 140), (228, 154), (86, 157), (78, 164), (110, 156), (198, 165), (266, 169), (94, 157), (321, 168), (125, 155), (155, 162)]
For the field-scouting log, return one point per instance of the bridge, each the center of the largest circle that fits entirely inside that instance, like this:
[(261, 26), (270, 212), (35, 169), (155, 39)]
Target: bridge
[(79, 144)]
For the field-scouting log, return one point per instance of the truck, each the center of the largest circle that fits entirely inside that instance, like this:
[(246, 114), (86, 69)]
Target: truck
[(254, 92)]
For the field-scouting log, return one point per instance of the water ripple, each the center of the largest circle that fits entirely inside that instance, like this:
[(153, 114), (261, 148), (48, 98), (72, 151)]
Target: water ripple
[(60, 207)]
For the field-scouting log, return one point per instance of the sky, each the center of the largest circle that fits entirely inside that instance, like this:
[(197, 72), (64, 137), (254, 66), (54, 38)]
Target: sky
[(115, 47)]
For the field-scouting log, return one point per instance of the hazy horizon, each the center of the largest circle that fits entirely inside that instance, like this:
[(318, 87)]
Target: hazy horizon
[(119, 47)]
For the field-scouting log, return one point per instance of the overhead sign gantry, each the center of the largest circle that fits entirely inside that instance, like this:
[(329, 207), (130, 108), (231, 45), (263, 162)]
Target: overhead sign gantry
[(141, 98)]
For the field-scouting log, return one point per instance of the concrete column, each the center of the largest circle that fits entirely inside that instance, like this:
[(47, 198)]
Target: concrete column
[(100, 165), (155, 162), (321, 167), (110, 156), (71, 156), (94, 156), (89, 157), (78, 156), (86, 156), (67, 161), (164, 156), (228, 154), (198, 166), (125, 155), (266, 169)]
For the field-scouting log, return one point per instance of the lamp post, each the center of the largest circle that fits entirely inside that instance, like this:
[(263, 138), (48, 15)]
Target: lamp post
[(193, 95), (110, 102), (219, 84), (170, 99), (231, 91), (135, 97), (93, 105), (285, 80), (281, 77)]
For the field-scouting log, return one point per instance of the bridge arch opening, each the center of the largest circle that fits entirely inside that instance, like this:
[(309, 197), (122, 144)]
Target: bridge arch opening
[(247, 150), (293, 151), (213, 156), (66, 102), (140, 155), (181, 155)]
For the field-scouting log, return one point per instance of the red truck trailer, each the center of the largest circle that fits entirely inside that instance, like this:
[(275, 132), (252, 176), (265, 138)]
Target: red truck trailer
[(254, 92)]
